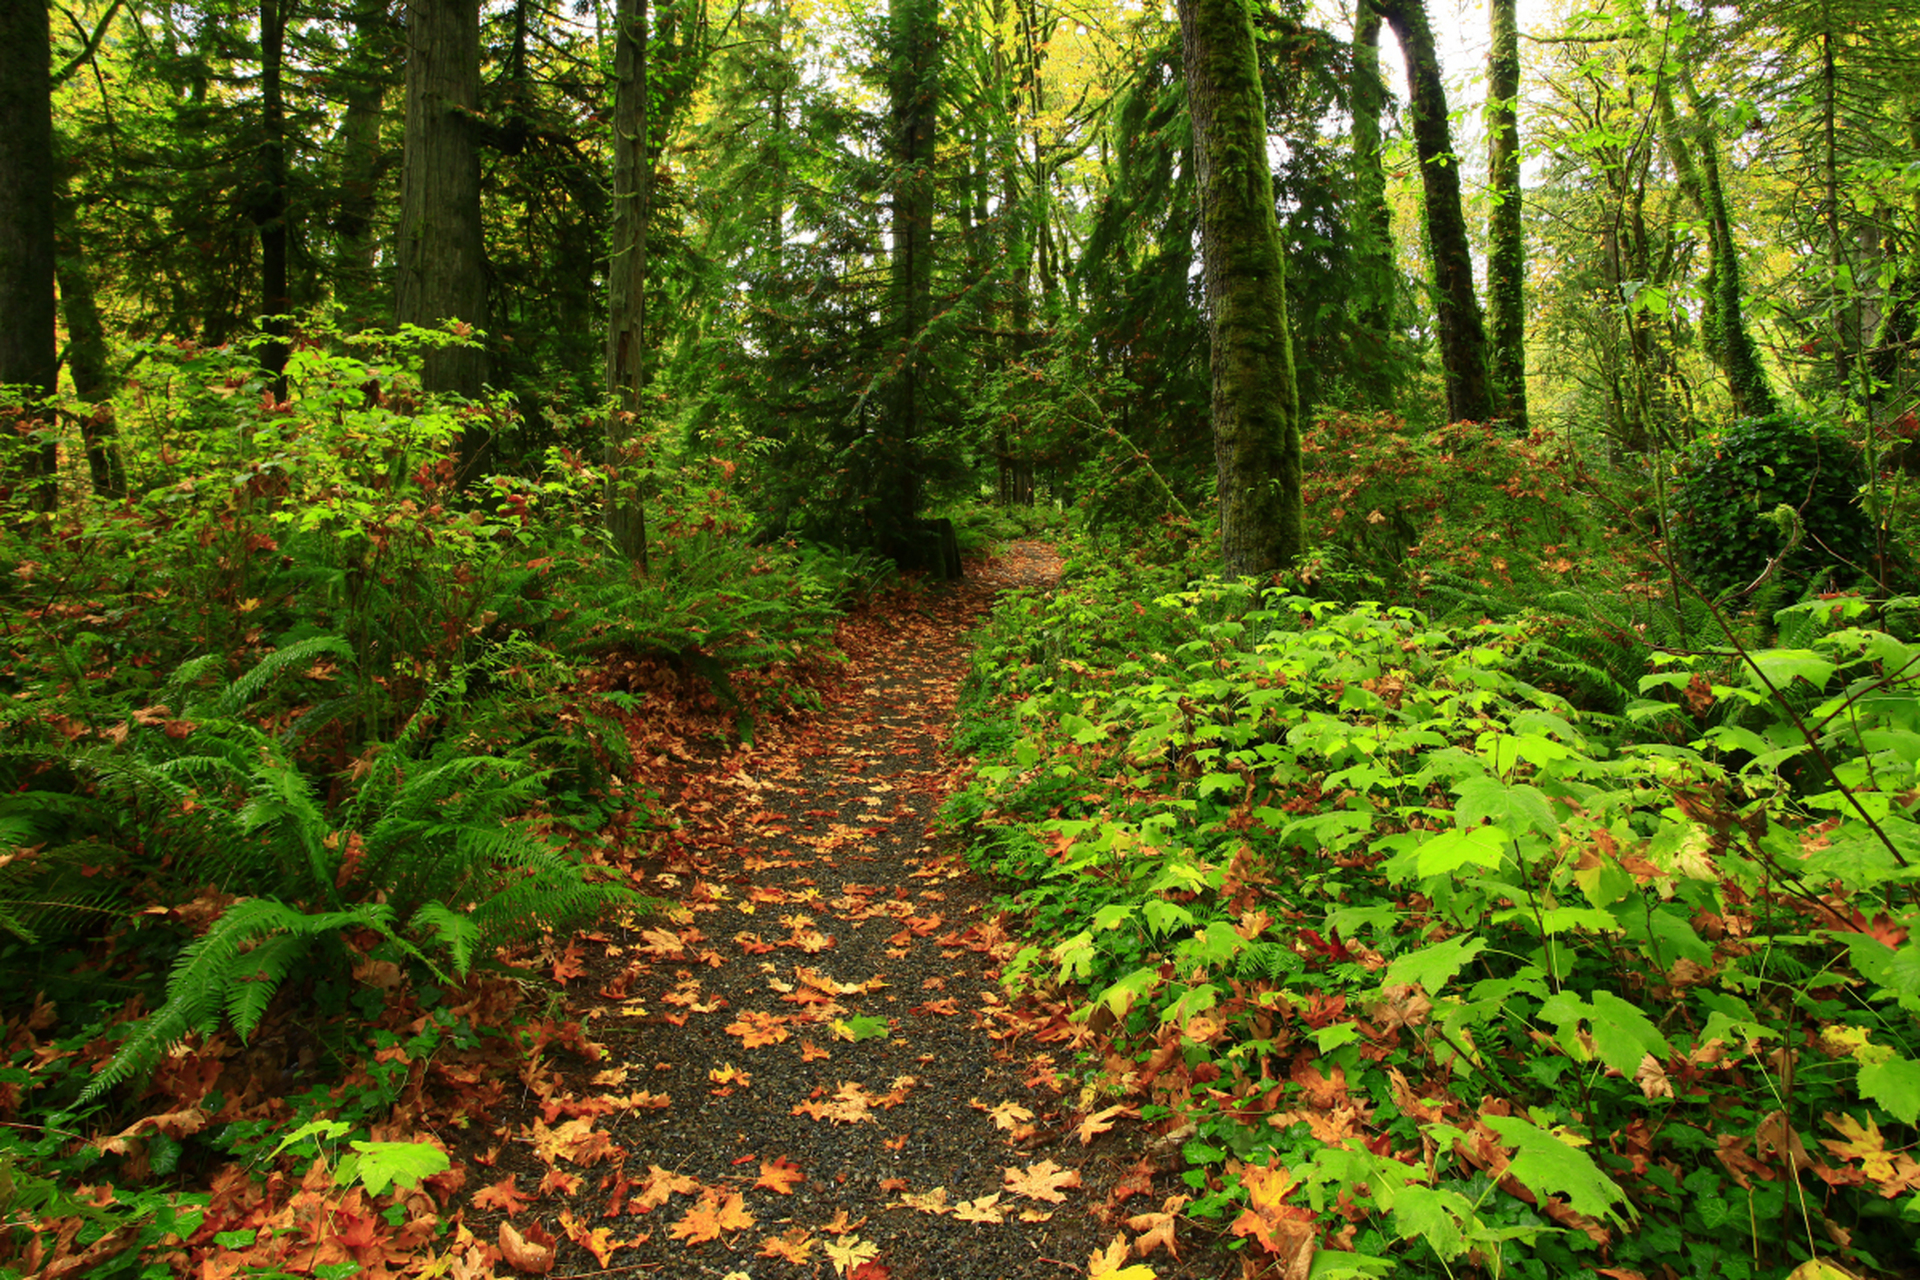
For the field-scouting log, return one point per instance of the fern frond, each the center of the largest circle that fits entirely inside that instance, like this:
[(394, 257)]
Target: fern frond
[(241, 949), (302, 654), (453, 930)]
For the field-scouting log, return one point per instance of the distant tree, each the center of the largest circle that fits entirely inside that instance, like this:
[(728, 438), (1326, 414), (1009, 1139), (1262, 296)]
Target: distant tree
[(1506, 239), (1463, 337)]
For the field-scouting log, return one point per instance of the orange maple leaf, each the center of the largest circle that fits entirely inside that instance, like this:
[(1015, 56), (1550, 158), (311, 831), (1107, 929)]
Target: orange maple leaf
[(503, 1196), (660, 1184), (597, 1241), (1043, 1181), (718, 1211), (531, 1253), (795, 1246), (757, 1029), (779, 1174), (1101, 1121)]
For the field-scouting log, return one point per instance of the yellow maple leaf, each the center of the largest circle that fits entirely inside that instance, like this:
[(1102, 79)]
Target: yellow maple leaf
[(1864, 1144), (848, 1252), (795, 1246)]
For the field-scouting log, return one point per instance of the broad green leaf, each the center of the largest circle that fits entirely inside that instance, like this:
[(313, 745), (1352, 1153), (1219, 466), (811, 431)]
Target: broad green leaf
[(1549, 1165), (1516, 807), (1435, 966), (1455, 848), (1895, 1085), (1164, 917), (860, 1027), (1622, 1035), (1781, 667), (381, 1164), (1434, 1215)]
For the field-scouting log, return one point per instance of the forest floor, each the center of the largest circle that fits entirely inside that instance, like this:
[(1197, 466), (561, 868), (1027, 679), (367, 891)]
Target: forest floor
[(807, 1066)]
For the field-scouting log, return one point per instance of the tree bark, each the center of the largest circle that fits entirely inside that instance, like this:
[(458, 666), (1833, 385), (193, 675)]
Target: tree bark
[(627, 278), (1463, 338), (441, 251), (913, 98), (360, 161), (1255, 403), (1739, 359), (1373, 217), (270, 195), (86, 349), (1506, 251), (28, 361)]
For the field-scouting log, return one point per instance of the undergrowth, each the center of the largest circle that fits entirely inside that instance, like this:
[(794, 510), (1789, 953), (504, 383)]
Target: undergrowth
[(1424, 963)]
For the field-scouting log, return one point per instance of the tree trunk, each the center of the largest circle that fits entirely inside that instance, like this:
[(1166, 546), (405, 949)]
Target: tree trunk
[(913, 96), (442, 255), (1746, 379), (1373, 217), (1255, 407), (627, 279), (1463, 338), (270, 195), (359, 141), (1506, 252), (28, 361), (86, 349)]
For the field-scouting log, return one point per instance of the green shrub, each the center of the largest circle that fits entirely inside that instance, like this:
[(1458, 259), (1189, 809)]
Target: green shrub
[(1726, 527)]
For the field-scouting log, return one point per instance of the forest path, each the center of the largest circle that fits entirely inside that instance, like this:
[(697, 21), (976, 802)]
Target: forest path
[(808, 1067)]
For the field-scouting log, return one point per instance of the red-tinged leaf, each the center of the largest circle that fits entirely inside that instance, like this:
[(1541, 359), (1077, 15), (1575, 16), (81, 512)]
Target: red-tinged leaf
[(503, 1196), (780, 1175)]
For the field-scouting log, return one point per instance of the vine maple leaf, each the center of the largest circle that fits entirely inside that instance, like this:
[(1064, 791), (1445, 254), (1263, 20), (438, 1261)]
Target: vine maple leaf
[(1043, 1181), (795, 1246), (1005, 1115), (1864, 1144), (1280, 1228), (849, 1252), (575, 1140), (1156, 1229), (757, 1029), (779, 1174), (718, 1210), (1101, 1121), (504, 1196), (1111, 1264), (985, 1209), (597, 1241), (660, 1184)]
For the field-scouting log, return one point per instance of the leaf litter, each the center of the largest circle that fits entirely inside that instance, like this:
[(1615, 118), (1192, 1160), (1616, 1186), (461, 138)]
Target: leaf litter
[(830, 1078)]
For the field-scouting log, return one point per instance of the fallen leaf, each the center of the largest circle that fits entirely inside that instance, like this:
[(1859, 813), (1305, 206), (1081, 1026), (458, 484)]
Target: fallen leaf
[(1100, 1121), (718, 1210), (795, 1246), (597, 1241), (1155, 1230), (1043, 1181), (850, 1251), (985, 1209), (503, 1196), (779, 1174), (531, 1253), (660, 1184)]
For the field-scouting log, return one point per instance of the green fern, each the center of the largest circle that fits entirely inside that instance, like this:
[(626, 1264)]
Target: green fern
[(233, 970)]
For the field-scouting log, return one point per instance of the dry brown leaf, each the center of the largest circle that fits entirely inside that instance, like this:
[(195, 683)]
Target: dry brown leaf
[(531, 1253)]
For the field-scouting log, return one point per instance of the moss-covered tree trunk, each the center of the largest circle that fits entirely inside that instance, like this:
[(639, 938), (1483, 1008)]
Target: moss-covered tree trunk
[(1506, 243), (627, 278), (1255, 407), (442, 251), (1377, 286), (1463, 337), (1699, 178), (913, 86), (27, 357)]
